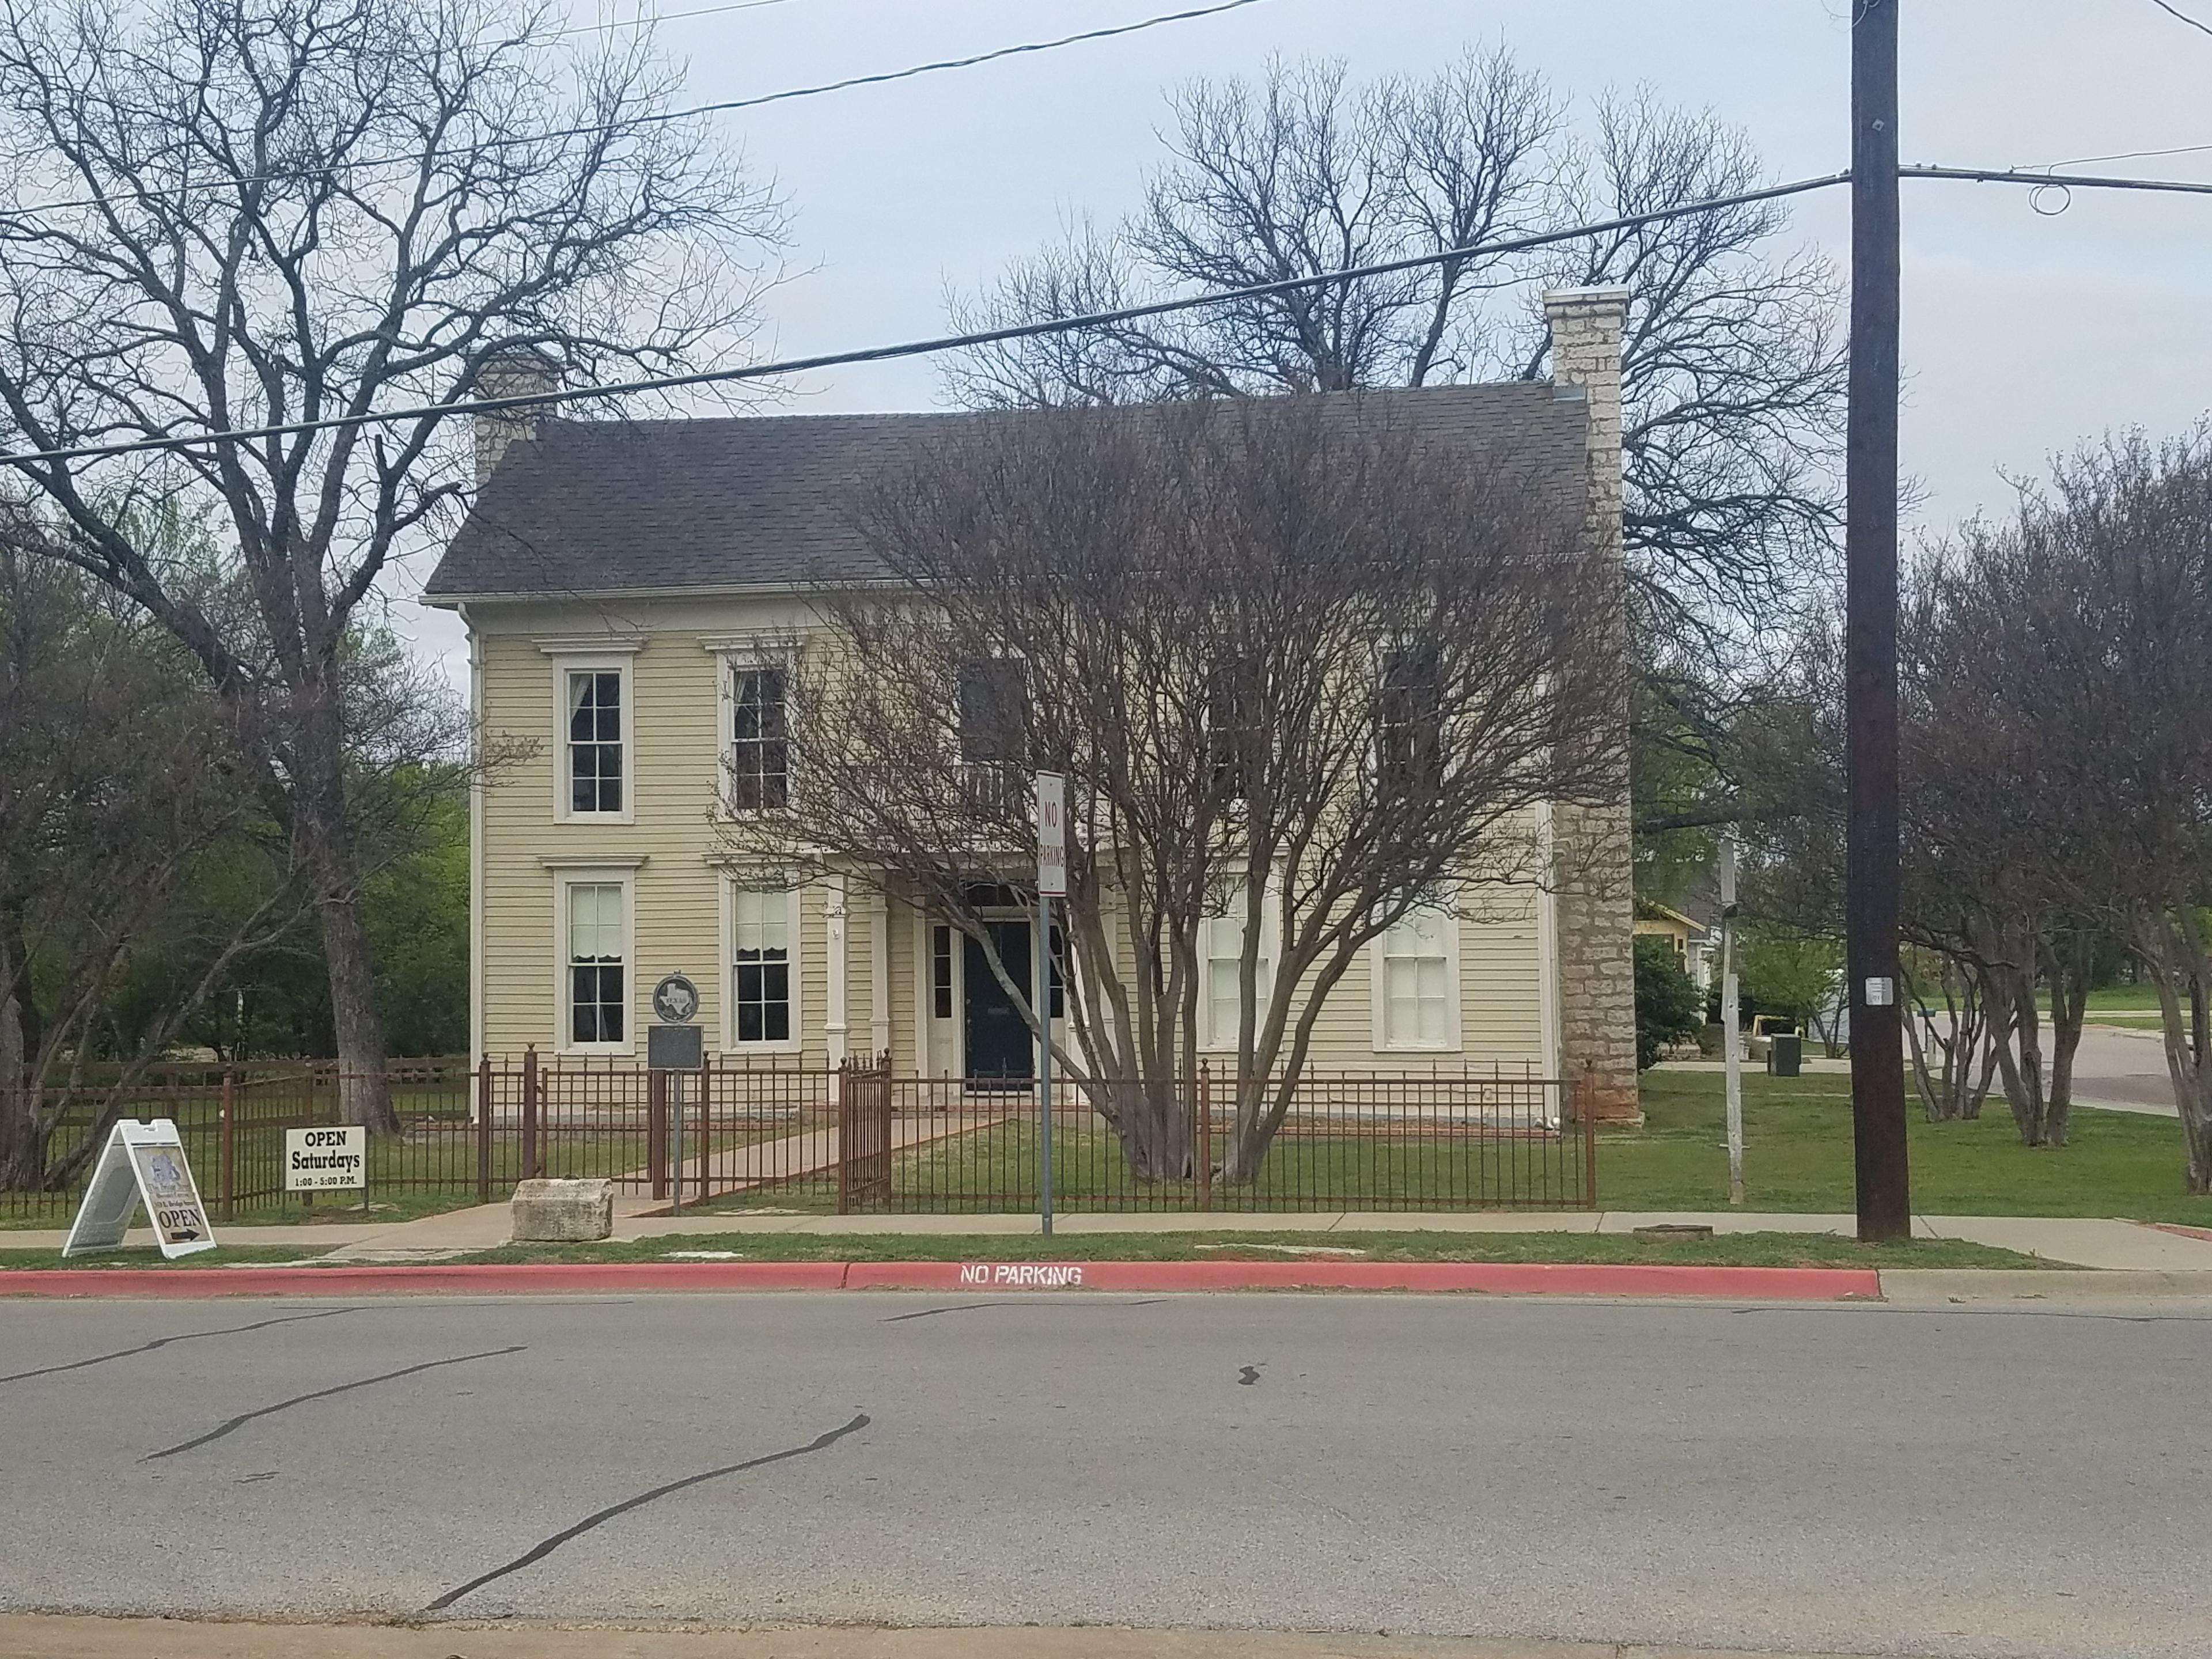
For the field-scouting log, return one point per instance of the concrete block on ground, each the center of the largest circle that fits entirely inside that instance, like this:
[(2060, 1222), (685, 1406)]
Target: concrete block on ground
[(563, 1212)]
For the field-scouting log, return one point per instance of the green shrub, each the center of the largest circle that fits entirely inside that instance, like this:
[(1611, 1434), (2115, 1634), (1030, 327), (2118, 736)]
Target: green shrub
[(1668, 1008)]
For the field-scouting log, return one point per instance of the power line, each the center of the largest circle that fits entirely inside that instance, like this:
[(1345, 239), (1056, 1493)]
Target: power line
[(919, 348), (1061, 324), (2176, 11), (645, 19), (653, 119), (2124, 156), (2055, 180)]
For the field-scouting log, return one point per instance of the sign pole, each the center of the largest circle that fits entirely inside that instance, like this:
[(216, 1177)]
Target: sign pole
[(1732, 1054), (675, 1045), (1042, 952), (676, 1141), (1052, 883)]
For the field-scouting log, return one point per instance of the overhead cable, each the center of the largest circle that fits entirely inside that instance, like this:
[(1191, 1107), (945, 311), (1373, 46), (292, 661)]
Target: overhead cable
[(973, 338)]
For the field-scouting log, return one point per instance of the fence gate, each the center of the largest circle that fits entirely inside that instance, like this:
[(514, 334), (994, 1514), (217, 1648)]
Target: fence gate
[(864, 1136)]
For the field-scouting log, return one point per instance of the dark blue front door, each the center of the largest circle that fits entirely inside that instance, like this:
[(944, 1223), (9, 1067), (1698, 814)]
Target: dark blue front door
[(999, 1040)]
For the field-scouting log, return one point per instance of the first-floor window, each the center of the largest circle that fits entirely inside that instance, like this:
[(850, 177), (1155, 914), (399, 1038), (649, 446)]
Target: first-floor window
[(596, 967), (1416, 975), (760, 991), (1223, 963)]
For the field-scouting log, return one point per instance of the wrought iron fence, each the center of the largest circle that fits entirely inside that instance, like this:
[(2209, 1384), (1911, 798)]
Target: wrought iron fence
[(858, 1139)]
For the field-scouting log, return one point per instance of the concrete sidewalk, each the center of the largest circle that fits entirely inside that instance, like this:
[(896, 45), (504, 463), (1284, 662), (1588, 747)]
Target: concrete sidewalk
[(2125, 1246)]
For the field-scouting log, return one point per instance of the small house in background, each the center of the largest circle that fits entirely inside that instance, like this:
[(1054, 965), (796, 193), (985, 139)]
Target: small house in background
[(630, 590), (1695, 944)]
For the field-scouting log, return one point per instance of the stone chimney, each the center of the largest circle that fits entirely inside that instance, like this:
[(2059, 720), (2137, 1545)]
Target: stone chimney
[(1594, 917), (507, 374)]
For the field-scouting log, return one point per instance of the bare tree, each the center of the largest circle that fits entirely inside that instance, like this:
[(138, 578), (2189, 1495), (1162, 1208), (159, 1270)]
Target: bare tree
[(1305, 673), (220, 214), (2124, 536), (2001, 854), (1964, 1039), (1732, 364), (118, 787)]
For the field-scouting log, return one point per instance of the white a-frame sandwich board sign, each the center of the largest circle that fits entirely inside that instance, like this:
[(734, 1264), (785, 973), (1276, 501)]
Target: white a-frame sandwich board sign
[(142, 1163)]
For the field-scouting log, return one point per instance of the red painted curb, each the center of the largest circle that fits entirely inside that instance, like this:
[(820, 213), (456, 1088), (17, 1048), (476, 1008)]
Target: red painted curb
[(464, 1278), (1495, 1278), (484, 1278)]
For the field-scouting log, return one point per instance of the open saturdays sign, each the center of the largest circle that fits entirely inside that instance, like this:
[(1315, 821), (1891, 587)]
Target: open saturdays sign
[(330, 1159)]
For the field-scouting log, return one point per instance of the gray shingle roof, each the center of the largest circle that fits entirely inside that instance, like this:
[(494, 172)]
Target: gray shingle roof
[(604, 506)]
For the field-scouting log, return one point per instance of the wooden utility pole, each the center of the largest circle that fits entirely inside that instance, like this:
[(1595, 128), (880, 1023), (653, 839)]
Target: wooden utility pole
[(1885, 1198)]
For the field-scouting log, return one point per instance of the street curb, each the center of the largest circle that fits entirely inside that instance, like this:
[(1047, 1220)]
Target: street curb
[(489, 1279)]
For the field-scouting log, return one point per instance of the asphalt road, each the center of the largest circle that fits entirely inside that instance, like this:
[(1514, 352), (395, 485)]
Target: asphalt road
[(2123, 1071), (1854, 1478)]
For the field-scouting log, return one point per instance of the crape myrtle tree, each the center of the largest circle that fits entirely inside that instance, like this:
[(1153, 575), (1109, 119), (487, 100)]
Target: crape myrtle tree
[(1989, 910), (227, 214), (2000, 853), (1303, 670), (2119, 549)]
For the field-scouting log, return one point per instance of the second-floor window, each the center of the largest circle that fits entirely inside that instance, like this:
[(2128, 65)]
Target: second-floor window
[(1409, 733), (595, 740), (760, 754), (991, 698), (1234, 735)]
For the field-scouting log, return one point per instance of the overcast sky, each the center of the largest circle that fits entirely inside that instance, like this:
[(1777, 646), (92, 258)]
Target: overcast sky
[(2023, 332)]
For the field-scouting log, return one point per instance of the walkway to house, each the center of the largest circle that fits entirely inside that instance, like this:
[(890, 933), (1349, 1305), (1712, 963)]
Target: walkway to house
[(750, 1165)]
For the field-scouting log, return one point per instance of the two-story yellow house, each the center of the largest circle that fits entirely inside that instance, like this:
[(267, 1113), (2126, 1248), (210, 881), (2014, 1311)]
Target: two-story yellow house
[(629, 589)]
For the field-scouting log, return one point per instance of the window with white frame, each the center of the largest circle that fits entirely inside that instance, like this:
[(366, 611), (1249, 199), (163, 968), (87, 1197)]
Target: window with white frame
[(594, 742), (1409, 732), (763, 941), (598, 923), (1417, 981), (760, 752), (940, 972), (1221, 964)]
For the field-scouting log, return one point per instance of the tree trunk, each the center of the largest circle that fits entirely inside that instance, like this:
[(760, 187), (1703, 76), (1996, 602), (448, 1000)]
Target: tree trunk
[(325, 842), (22, 1148)]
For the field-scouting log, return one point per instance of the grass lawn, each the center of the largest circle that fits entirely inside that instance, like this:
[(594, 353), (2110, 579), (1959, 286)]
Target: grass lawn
[(995, 1169), (1750, 1249), (1797, 1156), (2115, 998)]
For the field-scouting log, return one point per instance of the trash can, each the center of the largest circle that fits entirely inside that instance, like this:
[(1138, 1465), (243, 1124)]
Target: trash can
[(1786, 1053)]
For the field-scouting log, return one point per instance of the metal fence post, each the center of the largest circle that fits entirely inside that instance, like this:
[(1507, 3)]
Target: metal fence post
[(656, 1131), (845, 1117), (1205, 1137), (530, 1113), (1586, 1114), (230, 1159), (706, 1122), (483, 1130)]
